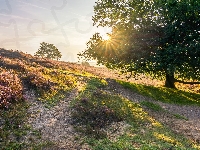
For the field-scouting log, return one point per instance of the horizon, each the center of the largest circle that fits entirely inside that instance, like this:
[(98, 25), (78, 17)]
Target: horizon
[(92, 63)]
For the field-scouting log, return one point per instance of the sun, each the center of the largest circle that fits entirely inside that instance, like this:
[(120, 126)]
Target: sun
[(104, 32), (105, 37)]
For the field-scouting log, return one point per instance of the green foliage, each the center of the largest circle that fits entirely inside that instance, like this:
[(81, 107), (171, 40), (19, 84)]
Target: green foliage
[(158, 108), (159, 38), (164, 94), (14, 127), (47, 50), (178, 116), (90, 109), (50, 84)]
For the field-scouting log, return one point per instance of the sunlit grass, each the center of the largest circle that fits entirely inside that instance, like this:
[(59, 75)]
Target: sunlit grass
[(152, 106), (167, 138), (95, 109), (163, 94)]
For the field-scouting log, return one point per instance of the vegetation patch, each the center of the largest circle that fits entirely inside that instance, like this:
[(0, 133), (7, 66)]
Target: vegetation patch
[(178, 116), (163, 94), (10, 88), (96, 109), (152, 106), (13, 128), (50, 79), (50, 84)]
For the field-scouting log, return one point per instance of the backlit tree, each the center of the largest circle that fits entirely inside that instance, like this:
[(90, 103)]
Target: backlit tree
[(160, 38), (47, 50)]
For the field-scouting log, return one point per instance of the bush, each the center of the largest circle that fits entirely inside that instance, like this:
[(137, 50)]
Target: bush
[(37, 80), (10, 88), (85, 63)]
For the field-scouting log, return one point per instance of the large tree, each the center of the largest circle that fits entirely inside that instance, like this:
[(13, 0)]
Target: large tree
[(156, 37), (47, 50)]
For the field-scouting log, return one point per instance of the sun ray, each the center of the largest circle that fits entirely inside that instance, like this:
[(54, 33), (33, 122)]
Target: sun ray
[(105, 37)]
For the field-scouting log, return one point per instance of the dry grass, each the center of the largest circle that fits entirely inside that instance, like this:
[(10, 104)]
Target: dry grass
[(140, 79)]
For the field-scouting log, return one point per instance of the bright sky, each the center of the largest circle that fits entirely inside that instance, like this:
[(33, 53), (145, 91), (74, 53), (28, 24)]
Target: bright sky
[(67, 24)]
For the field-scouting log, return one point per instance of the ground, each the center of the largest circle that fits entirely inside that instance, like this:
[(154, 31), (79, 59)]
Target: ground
[(55, 123), (38, 122)]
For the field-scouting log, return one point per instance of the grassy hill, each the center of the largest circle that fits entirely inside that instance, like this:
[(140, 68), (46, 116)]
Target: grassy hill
[(101, 117)]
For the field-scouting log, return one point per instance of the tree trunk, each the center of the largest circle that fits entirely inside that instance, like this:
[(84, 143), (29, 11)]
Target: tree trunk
[(169, 82)]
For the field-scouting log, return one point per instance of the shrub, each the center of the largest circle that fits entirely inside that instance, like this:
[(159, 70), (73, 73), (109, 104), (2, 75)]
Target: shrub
[(85, 63), (10, 88), (36, 80)]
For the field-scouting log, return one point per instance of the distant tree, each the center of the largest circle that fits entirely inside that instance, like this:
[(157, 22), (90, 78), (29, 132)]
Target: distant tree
[(47, 50), (85, 63), (160, 38)]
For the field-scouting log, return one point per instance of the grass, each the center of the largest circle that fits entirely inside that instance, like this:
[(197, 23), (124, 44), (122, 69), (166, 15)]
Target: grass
[(14, 127), (163, 94), (152, 106), (158, 108), (178, 116), (51, 81), (95, 110)]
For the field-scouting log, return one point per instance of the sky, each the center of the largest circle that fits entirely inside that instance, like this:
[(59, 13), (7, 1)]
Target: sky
[(67, 24)]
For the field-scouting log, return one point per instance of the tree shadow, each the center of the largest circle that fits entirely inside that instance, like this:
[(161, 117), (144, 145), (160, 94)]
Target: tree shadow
[(167, 95)]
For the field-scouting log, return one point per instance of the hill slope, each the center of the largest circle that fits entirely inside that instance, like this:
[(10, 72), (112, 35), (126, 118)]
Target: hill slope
[(47, 104)]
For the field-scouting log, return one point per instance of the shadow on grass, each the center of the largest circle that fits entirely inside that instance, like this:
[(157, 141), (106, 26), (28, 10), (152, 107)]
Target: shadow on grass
[(163, 94), (95, 111)]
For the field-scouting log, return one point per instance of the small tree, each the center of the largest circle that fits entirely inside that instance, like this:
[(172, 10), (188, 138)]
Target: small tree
[(47, 50)]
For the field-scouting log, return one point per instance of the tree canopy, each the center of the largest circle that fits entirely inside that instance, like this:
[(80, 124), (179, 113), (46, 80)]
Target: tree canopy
[(47, 50), (156, 37)]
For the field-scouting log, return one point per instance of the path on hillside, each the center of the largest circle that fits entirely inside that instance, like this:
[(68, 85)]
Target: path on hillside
[(190, 127), (55, 123)]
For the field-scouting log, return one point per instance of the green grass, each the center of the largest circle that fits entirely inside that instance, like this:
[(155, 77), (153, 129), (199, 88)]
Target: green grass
[(158, 108), (14, 127), (152, 106), (95, 110), (163, 94), (178, 116)]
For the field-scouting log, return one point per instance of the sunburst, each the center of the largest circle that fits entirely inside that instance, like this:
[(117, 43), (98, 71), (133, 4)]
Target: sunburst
[(105, 37)]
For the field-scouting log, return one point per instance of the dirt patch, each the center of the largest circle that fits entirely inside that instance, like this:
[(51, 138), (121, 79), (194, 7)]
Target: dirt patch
[(54, 123)]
